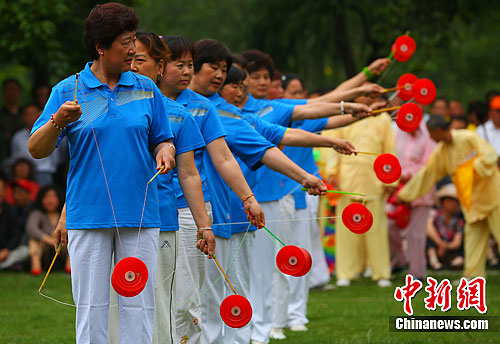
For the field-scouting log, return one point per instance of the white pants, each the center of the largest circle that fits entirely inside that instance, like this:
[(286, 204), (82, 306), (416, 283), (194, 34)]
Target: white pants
[(17, 255), (299, 286), (164, 325), (319, 274), (190, 266), (213, 328), (281, 282), (262, 267), (91, 251)]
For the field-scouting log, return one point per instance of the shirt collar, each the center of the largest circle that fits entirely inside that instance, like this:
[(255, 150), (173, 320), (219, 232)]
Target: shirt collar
[(183, 97), (91, 81), (251, 104)]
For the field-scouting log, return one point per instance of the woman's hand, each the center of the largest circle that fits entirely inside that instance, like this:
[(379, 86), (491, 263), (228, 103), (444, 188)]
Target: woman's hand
[(357, 109), (165, 157), (314, 184), (206, 242), (343, 146), (68, 112), (255, 215), (60, 234), (379, 65)]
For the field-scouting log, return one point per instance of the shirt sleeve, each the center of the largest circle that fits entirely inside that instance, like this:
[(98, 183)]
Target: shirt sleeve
[(189, 136), (486, 163), (281, 114), (213, 128), (426, 178), (53, 104), (246, 143), (272, 132), (160, 125)]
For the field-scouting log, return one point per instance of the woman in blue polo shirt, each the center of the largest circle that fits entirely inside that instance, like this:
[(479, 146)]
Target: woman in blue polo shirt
[(150, 59), (115, 136), (176, 78)]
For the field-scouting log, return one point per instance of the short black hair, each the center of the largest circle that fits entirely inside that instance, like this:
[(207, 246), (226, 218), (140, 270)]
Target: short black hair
[(178, 46), (257, 60), (240, 60), (437, 121), (211, 51), (443, 99), (106, 22), (234, 76)]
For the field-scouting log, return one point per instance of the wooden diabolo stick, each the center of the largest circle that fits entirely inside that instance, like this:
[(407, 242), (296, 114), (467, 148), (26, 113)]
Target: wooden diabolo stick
[(225, 276), (51, 264)]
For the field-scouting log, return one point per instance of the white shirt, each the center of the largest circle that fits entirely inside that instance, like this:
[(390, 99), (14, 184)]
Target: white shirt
[(490, 133), (19, 148)]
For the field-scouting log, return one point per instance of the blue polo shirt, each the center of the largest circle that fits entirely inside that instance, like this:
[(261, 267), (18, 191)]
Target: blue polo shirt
[(247, 145), (187, 137), (210, 126), (272, 111), (291, 101), (302, 156), (127, 121)]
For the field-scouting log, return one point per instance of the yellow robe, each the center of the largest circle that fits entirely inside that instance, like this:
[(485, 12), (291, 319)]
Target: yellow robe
[(480, 199), (355, 174)]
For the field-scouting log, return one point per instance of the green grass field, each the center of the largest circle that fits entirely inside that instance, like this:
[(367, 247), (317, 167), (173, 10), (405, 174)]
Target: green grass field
[(356, 314)]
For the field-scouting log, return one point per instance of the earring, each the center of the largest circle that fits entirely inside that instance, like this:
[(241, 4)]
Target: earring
[(159, 78), (101, 53)]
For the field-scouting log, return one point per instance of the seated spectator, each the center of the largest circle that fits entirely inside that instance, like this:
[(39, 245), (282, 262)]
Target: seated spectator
[(22, 170), (10, 115), (445, 231), (40, 225), (44, 169), (12, 253)]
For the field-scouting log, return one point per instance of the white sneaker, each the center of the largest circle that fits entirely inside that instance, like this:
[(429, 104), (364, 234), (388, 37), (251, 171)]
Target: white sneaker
[(298, 328), (343, 282), (383, 283), (256, 342), (277, 333), (367, 273)]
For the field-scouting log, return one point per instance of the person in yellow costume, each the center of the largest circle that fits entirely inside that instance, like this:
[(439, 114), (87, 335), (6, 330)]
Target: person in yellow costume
[(355, 174), (472, 163)]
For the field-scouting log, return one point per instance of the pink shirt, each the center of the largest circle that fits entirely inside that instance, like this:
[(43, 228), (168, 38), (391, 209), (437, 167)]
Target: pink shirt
[(413, 151)]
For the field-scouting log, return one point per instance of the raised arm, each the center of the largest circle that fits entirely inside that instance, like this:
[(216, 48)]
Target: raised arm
[(43, 141), (323, 109), (279, 162), (303, 138)]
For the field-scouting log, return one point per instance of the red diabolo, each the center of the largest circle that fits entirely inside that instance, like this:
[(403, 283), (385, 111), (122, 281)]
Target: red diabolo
[(405, 86), (387, 168), (424, 91), (409, 117), (235, 311), (403, 48), (129, 276), (357, 218), (293, 260)]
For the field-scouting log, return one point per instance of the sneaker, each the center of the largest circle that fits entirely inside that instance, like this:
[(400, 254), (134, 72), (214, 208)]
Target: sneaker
[(298, 328), (367, 273), (277, 333), (343, 282), (256, 342), (383, 283)]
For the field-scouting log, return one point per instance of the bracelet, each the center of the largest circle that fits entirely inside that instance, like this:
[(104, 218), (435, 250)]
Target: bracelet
[(368, 73), (246, 199), (341, 107), (172, 145), (205, 229), (54, 123)]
